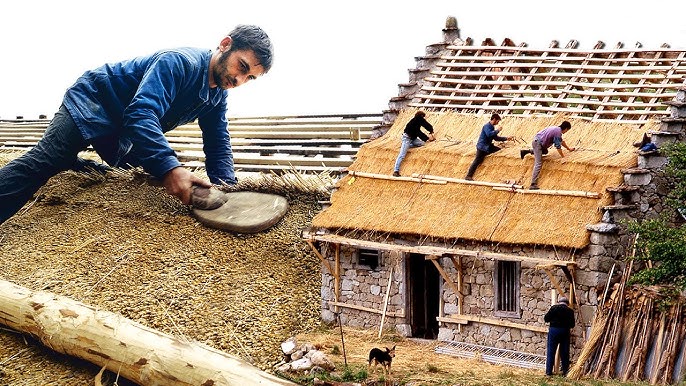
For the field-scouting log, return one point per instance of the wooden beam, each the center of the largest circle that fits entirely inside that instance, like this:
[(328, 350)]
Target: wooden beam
[(391, 178), (425, 177), (326, 262), (337, 276), (573, 193), (367, 309), (431, 250), (385, 301), (434, 260), (463, 319), (139, 353), (554, 282)]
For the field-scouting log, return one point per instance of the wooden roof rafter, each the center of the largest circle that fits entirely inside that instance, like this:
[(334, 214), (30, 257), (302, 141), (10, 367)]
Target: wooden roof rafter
[(632, 85)]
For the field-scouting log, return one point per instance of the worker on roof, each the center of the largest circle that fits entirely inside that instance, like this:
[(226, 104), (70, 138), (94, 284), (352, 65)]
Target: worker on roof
[(413, 136), (550, 136), (485, 146), (123, 110)]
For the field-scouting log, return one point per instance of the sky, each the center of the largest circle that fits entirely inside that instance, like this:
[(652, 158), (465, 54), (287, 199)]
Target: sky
[(331, 57)]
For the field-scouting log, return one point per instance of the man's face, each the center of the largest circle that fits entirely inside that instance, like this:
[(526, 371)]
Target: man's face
[(234, 68)]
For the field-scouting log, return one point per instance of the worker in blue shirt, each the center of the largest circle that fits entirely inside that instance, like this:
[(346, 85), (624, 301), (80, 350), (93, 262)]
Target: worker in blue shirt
[(485, 146), (123, 110)]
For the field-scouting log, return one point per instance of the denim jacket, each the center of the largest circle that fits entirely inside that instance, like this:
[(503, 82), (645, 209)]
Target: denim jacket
[(123, 109)]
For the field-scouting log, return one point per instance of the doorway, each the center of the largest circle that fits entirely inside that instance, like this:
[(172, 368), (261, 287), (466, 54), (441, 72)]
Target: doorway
[(424, 296)]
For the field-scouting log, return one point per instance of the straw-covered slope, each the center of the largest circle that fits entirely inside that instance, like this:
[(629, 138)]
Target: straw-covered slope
[(459, 211), (123, 245)]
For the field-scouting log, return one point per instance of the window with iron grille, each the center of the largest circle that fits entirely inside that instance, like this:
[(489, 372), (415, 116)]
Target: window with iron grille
[(506, 282), (368, 257)]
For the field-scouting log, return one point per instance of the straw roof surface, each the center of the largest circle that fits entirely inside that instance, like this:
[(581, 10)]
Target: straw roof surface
[(460, 211)]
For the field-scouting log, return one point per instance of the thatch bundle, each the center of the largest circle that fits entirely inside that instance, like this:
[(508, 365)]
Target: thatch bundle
[(637, 335), (461, 211)]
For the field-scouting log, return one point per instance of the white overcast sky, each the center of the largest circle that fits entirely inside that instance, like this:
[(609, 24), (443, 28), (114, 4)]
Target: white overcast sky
[(345, 56)]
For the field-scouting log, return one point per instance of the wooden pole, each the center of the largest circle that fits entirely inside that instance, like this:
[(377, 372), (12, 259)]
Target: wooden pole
[(573, 193), (387, 177), (337, 278), (137, 352), (385, 301), (427, 177)]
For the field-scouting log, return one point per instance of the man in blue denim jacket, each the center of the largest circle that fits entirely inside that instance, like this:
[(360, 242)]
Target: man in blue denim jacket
[(124, 109)]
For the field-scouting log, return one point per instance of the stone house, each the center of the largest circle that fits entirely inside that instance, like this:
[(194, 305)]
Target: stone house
[(478, 263)]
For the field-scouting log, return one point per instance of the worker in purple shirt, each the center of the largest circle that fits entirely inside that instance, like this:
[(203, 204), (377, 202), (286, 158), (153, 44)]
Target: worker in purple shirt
[(550, 136), (485, 146)]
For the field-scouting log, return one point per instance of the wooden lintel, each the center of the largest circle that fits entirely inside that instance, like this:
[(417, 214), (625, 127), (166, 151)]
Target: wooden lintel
[(435, 251), (326, 262), (446, 277), (496, 322), (399, 314)]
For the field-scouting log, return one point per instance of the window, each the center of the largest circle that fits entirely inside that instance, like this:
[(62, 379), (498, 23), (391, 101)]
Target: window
[(368, 257), (507, 288)]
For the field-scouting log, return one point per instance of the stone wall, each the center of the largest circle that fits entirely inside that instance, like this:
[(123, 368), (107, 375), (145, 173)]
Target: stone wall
[(362, 286), (365, 287)]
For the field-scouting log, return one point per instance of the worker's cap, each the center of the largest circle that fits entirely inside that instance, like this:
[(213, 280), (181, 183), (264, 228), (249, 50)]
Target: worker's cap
[(563, 299)]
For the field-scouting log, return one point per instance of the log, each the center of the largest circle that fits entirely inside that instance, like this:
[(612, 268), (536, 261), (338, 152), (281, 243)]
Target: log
[(572, 193), (391, 178), (136, 352), (425, 177)]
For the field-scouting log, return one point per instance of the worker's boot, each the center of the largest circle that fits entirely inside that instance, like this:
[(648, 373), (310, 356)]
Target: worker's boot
[(207, 199), (522, 153)]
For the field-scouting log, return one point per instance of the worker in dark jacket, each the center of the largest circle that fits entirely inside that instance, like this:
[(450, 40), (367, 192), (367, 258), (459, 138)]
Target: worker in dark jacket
[(413, 136), (561, 319), (485, 146)]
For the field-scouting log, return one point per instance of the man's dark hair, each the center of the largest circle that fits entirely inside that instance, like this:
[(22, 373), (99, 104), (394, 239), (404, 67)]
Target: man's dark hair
[(251, 37), (565, 125), (495, 116), (420, 114)]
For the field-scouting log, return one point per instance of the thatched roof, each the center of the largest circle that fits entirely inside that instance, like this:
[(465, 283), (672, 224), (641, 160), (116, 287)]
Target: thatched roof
[(460, 211)]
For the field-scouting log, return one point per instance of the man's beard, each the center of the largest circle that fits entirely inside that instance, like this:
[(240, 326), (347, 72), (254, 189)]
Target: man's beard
[(220, 74)]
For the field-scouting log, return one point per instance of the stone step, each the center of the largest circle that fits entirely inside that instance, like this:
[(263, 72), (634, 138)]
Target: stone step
[(651, 159), (637, 176), (613, 214), (624, 195)]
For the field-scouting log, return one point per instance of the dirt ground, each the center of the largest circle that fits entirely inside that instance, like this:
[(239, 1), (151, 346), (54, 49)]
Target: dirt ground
[(121, 244)]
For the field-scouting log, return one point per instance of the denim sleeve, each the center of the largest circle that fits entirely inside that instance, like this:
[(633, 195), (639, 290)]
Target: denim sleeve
[(557, 141), (162, 81), (217, 146)]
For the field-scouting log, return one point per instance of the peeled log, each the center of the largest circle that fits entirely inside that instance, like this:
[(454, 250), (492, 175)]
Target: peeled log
[(136, 352)]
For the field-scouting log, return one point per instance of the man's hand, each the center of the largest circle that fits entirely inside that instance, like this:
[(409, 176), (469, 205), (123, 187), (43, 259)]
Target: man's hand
[(179, 183), (431, 137)]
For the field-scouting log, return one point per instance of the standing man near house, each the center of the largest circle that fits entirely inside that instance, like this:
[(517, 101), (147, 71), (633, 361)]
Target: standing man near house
[(485, 146), (413, 136), (561, 319), (123, 110), (542, 141)]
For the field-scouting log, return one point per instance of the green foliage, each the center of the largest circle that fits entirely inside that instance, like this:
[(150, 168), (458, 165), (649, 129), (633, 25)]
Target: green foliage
[(336, 350), (676, 168), (660, 242)]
